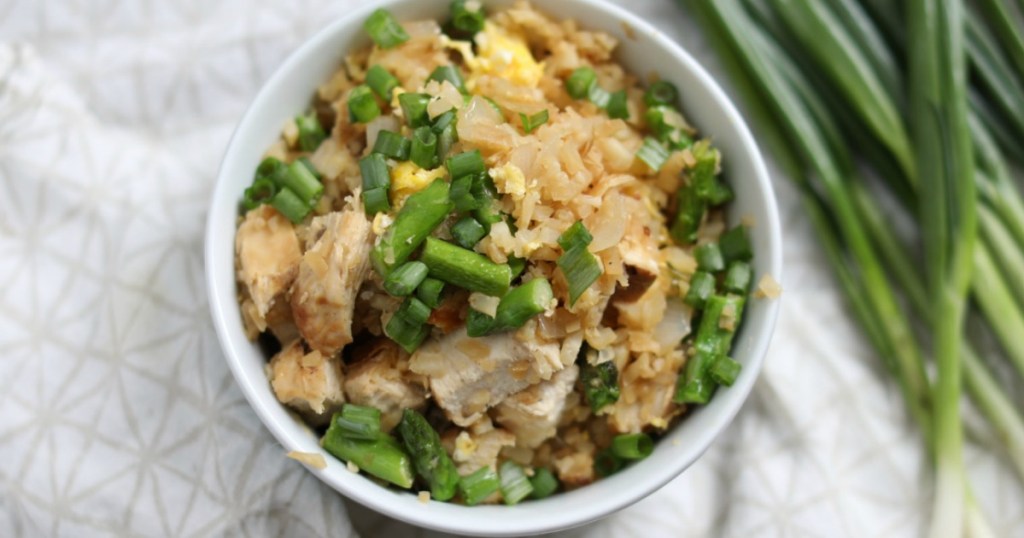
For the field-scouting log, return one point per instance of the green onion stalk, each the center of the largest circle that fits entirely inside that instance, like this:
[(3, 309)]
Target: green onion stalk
[(948, 209), (800, 84)]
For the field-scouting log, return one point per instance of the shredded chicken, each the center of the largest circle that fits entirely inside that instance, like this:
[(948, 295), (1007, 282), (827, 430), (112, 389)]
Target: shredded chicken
[(268, 257), (310, 382), (330, 274), (381, 379), (533, 414), (470, 375)]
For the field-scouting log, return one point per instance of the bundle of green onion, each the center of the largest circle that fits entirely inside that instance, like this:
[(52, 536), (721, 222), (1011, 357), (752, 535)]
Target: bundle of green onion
[(868, 103)]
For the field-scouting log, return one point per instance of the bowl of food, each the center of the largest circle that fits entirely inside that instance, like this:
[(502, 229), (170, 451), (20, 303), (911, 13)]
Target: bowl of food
[(492, 268)]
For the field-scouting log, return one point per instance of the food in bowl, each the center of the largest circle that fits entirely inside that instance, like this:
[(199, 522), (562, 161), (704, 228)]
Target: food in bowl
[(488, 262)]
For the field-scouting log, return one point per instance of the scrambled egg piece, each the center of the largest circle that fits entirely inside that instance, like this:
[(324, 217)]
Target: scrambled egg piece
[(503, 54), (509, 179), (408, 179)]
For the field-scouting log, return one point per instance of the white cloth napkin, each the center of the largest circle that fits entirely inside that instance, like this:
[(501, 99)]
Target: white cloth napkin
[(118, 415)]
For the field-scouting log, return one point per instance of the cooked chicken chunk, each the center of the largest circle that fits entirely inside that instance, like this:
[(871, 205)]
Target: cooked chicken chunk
[(268, 258), (381, 380), (470, 375), (310, 382), (533, 414), (330, 274)]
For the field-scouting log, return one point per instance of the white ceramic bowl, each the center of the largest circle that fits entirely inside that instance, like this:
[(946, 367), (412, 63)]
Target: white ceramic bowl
[(290, 90)]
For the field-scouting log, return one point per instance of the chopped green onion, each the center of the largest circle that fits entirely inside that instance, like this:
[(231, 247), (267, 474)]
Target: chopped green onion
[(362, 105), (662, 120), (720, 193), (738, 277), (445, 140), (690, 210), (515, 485), (462, 194), (544, 483), (302, 182), (309, 166), (617, 108), (479, 485), (533, 121), (269, 167), (465, 268), (469, 21), (311, 133), (376, 201), (421, 214), (702, 286), (429, 291), (661, 92), (465, 164), (702, 175), (414, 311), (725, 370), (432, 462), (424, 148), (384, 30), (261, 191), (678, 139), (290, 205), (633, 446), (580, 81), (652, 153), (407, 335), (358, 422), (606, 463), (600, 384), (404, 279), (599, 96), (376, 182), (450, 73), (442, 121), (381, 457), (392, 145), (579, 265), (467, 232), (382, 82), (709, 257), (414, 108), (575, 236), (735, 245)]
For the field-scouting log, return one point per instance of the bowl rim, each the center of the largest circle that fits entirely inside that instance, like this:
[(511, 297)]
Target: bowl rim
[(517, 524)]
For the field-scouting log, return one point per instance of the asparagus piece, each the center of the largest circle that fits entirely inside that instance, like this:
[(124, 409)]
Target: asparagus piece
[(432, 463), (421, 213), (465, 268)]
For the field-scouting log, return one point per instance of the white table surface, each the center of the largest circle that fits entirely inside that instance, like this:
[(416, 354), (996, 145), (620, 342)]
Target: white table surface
[(118, 415)]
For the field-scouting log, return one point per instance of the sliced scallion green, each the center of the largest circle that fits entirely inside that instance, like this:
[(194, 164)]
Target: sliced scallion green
[(533, 121), (515, 485), (384, 30), (381, 81), (362, 105), (392, 145), (652, 153), (423, 151)]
